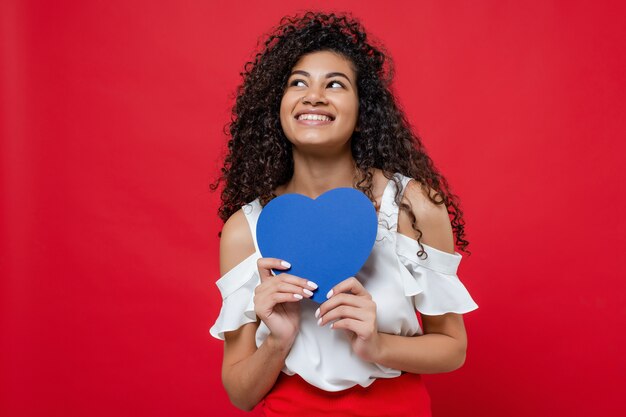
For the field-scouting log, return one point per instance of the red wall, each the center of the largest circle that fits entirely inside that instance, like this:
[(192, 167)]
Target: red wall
[(111, 120)]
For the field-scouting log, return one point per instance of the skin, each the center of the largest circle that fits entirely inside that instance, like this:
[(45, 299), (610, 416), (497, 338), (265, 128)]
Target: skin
[(323, 161)]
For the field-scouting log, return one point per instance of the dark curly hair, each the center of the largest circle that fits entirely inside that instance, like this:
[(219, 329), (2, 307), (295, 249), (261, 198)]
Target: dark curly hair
[(259, 155)]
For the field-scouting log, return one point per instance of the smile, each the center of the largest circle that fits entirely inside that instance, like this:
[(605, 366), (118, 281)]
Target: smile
[(308, 116), (313, 119)]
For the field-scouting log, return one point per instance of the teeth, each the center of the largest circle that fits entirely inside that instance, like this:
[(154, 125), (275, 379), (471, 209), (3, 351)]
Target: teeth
[(313, 117)]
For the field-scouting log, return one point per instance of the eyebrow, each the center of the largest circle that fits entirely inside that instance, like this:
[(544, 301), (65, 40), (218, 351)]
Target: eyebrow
[(329, 75)]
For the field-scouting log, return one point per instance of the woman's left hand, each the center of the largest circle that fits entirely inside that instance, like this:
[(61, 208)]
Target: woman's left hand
[(352, 307)]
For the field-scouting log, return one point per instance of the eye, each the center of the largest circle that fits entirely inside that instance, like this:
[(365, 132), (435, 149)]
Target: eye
[(296, 81)]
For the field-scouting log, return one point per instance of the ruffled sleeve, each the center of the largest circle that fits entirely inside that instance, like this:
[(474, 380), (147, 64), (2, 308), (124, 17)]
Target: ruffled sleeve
[(237, 289), (432, 282)]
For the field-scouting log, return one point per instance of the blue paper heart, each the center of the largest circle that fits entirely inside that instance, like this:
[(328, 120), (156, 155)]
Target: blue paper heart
[(326, 240)]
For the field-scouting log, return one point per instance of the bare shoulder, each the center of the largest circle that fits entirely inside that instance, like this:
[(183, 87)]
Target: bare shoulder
[(432, 219), (236, 242)]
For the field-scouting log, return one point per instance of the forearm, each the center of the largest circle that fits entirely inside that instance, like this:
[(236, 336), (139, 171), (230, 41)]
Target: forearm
[(427, 354), (249, 380)]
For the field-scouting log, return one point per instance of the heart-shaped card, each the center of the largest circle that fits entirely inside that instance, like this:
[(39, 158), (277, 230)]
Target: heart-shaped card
[(325, 240)]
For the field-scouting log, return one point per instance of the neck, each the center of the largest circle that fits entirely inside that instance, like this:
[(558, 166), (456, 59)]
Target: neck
[(315, 174)]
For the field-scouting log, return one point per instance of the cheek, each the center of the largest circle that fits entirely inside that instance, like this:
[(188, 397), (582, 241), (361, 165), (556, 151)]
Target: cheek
[(284, 113), (353, 110), (286, 106), (352, 105)]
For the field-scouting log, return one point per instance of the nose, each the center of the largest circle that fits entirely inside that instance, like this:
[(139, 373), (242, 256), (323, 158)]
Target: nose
[(314, 96)]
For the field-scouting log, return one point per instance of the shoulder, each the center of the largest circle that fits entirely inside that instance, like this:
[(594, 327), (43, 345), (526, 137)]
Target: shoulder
[(432, 219), (236, 243)]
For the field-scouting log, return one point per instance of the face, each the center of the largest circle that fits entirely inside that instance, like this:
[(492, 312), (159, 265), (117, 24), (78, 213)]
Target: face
[(320, 104)]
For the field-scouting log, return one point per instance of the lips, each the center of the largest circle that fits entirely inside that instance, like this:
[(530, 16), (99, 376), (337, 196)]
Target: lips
[(313, 122), (310, 118), (316, 112)]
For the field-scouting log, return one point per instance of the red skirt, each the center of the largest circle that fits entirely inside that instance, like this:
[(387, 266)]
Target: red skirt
[(402, 396)]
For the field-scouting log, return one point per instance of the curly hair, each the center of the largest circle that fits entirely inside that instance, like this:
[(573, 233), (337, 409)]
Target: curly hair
[(259, 156)]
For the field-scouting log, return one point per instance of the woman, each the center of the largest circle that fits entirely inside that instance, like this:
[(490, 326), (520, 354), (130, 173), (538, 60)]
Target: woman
[(315, 113)]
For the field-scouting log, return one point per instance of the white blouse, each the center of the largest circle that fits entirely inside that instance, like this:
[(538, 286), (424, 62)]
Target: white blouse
[(400, 283)]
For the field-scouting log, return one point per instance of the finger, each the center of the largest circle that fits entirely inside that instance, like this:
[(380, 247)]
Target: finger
[(356, 326), (351, 285), (300, 282), (269, 301), (294, 289), (345, 312), (265, 266), (300, 285), (285, 297), (342, 299)]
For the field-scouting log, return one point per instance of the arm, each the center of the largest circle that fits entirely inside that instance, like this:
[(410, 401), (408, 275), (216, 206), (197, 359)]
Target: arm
[(441, 349), (248, 373), (443, 346)]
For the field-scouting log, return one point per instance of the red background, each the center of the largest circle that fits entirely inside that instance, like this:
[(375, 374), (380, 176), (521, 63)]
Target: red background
[(111, 120)]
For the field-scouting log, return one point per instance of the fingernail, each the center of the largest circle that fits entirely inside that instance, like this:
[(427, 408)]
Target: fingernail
[(331, 325), (285, 264), (317, 313), (307, 292), (298, 296), (330, 294), (312, 285), (319, 322)]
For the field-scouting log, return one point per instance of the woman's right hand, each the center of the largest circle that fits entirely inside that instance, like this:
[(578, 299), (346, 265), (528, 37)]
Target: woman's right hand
[(276, 300)]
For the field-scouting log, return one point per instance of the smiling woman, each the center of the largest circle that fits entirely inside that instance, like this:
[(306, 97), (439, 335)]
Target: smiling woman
[(320, 106), (315, 113)]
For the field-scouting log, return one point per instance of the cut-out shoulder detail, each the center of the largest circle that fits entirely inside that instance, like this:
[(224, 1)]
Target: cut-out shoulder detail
[(433, 283), (433, 220), (236, 242), (252, 211), (234, 279), (437, 260), (388, 214), (237, 290)]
